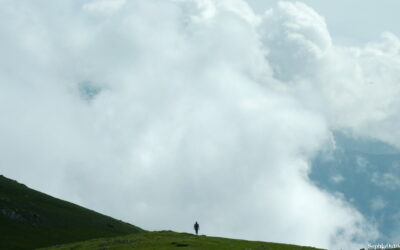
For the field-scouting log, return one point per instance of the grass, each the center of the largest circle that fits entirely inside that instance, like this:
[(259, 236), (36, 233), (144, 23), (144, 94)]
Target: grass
[(30, 219), (168, 240)]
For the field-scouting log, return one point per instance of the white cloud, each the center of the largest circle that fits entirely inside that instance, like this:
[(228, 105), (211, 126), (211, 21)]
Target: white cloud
[(103, 7), (204, 111), (355, 88), (362, 163), (387, 180), (296, 38), (337, 179), (378, 203)]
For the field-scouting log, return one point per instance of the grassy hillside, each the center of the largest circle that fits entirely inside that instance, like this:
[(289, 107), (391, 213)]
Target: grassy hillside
[(30, 219), (167, 240)]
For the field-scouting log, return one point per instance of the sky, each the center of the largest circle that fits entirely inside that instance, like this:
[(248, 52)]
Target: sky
[(240, 115)]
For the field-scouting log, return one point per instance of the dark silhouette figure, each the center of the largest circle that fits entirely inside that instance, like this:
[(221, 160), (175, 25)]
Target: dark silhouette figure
[(196, 227)]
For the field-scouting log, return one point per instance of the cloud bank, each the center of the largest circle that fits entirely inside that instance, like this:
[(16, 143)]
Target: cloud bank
[(166, 112)]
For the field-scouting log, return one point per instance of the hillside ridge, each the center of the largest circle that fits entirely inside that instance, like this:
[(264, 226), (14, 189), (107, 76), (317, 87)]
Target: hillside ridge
[(169, 240), (31, 219)]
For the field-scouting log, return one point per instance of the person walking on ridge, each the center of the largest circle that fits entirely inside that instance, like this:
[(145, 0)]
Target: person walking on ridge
[(196, 227)]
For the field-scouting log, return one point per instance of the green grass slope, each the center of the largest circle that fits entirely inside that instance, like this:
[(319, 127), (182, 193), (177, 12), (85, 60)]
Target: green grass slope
[(30, 219), (167, 240)]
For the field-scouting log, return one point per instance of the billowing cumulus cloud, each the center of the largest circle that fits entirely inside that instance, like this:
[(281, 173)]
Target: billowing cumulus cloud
[(166, 112), (296, 38)]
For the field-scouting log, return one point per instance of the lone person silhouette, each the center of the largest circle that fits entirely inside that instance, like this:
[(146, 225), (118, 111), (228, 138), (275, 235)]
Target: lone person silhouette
[(196, 227)]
